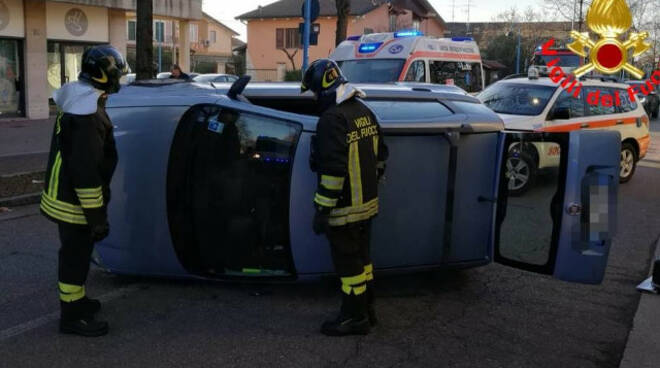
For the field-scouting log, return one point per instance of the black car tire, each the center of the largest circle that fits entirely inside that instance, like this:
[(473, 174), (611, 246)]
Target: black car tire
[(628, 162), (520, 172)]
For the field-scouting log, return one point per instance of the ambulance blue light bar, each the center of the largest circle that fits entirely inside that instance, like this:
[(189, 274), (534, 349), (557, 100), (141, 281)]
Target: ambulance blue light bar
[(408, 34), (353, 38), (369, 47), (462, 39)]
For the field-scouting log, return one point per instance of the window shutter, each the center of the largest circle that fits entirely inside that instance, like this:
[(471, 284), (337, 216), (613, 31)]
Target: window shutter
[(279, 38)]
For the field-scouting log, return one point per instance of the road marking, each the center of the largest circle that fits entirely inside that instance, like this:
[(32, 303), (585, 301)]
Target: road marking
[(50, 317), (655, 165)]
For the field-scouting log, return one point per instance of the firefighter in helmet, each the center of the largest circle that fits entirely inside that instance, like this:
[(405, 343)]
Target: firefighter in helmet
[(349, 154), (77, 187)]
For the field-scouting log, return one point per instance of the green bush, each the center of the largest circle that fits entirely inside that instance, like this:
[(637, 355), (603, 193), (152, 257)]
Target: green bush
[(293, 76)]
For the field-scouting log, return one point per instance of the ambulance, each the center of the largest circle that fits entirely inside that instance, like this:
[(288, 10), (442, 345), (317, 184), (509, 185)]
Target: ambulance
[(411, 57), (568, 60), (538, 104)]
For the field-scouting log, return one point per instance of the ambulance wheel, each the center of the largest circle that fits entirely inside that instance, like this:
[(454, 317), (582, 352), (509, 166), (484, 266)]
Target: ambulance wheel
[(520, 172), (628, 162)]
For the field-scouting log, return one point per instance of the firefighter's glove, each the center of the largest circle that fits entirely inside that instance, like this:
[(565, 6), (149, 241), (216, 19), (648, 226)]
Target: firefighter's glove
[(100, 231), (321, 220)]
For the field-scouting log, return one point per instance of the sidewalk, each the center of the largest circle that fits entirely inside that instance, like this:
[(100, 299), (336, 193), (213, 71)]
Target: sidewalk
[(24, 146), (643, 347)]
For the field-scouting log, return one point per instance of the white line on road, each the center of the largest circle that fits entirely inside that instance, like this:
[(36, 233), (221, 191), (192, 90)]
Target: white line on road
[(47, 318)]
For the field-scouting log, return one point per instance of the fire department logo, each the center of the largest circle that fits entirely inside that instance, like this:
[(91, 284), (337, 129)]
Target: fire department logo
[(75, 22), (609, 19), (4, 15)]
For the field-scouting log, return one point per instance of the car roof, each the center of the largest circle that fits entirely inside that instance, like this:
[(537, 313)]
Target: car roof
[(546, 81)]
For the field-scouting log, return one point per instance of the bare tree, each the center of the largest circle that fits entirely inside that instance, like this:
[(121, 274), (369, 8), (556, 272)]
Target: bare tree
[(144, 46), (343, 11), (291, 57)]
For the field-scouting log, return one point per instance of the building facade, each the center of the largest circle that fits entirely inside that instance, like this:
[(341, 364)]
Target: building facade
[(42, 42), (210, 43), (274, 41)]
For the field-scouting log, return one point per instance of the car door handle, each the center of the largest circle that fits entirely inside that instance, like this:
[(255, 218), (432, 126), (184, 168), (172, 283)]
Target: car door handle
[(584, 126), (619, 122)]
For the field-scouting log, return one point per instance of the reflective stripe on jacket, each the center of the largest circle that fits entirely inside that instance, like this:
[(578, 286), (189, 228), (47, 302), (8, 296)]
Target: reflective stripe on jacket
[(350, 149)]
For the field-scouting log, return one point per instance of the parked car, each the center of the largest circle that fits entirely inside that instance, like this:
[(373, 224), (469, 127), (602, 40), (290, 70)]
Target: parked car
[(215, 78), (219, 186), (540, 105), (166, 75), (651, 101)]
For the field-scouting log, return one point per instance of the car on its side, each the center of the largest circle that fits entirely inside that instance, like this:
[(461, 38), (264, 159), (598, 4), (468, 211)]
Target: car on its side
[(215, 78), (219, 186), (650, 100), (541, 105)]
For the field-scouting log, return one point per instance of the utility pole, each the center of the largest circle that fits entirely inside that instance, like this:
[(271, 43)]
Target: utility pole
[(306, 29), (144, 44), (518, 52), (580, 19)]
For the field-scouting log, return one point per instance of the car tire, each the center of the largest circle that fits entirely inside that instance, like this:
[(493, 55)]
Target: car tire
[(628, 162), (520, 172)]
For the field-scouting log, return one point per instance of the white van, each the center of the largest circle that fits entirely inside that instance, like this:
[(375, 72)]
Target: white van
[(410, 56)]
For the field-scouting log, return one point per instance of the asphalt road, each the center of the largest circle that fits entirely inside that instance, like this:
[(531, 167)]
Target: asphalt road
[(492, 316)]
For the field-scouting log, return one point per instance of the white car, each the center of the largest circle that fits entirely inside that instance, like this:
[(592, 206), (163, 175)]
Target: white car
[(541, 105)]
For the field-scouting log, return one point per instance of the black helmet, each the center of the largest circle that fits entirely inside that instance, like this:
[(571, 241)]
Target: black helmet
[(102, 66), (323, 77)]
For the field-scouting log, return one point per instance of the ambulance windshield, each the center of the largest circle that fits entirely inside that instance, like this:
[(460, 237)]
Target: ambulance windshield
[(372, 71)]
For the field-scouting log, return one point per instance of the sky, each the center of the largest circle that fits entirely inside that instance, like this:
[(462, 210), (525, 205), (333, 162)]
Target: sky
[(480, 10)]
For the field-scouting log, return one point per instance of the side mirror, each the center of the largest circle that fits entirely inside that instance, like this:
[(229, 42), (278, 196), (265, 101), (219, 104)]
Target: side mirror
[(560, 113)]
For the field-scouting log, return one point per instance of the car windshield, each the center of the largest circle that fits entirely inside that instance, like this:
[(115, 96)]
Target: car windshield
[(372, 71), (204, 78), (516, 99), (564, 60)]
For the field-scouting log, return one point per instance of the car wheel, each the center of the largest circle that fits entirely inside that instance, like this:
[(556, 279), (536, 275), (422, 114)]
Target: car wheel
[(520, 172), (628, 162)]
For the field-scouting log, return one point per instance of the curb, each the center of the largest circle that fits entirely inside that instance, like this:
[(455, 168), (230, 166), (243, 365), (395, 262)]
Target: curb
[(20, 200), (20, 184), (641, 349)]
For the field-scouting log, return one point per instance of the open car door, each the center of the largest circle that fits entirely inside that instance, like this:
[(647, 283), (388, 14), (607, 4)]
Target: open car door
[(562, 224)]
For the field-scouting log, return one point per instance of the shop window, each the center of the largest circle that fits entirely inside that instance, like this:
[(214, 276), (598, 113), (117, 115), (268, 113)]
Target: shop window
[(10, 78)]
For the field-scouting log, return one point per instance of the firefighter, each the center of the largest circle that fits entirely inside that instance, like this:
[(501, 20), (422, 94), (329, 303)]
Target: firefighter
[(348, 153), (77, 187)]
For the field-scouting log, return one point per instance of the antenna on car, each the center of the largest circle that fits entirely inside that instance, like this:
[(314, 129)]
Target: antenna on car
[(237, 88)]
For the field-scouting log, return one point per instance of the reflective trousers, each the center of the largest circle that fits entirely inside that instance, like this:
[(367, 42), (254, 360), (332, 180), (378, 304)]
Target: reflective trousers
[(350, 254), (74, 258)]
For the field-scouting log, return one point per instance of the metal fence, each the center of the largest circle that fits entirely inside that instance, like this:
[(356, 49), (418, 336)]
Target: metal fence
[(263, 75)]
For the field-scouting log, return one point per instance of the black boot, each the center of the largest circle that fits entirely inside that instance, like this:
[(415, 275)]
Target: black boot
[(371, 310), (74, 320), (90, 306), (352, 319)]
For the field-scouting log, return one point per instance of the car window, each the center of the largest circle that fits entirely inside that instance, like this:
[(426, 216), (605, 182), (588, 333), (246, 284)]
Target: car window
[(595, 98), (232, 79), (517, 98), (220, 79), (416, 72), (372, 70), (413, 110), (626, 104), (574, 105)]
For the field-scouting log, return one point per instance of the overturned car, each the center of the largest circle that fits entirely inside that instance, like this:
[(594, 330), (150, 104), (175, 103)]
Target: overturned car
[(214, 182)]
